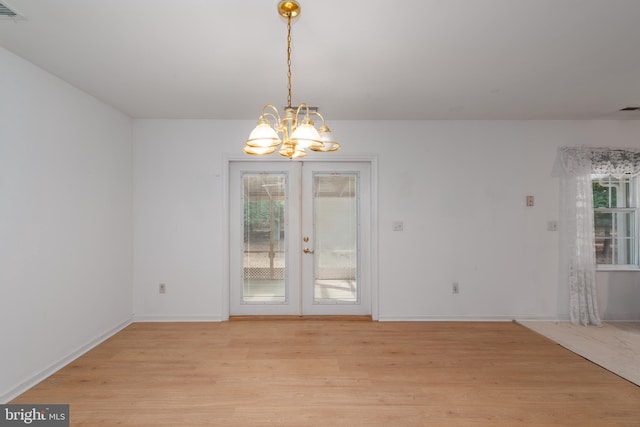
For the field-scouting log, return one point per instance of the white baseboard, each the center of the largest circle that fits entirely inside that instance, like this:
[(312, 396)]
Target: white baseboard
[(201, 318), (541, 319), (40, 376), (427, 318)]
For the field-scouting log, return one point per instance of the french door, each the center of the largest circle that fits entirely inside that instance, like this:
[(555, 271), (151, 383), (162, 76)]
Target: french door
[(300, 238)]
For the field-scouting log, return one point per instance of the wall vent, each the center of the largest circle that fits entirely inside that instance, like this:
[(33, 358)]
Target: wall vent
[(9, 13)]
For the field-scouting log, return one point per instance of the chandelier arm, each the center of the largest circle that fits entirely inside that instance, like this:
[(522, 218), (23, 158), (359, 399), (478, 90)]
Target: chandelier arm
[(315, 113), (276, 116), (273, 108), (301, 106), (273, 117)]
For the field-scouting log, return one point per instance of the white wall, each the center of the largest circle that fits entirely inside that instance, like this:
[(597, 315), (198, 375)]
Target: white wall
[(178, 231), (65, 222), (459, 187)]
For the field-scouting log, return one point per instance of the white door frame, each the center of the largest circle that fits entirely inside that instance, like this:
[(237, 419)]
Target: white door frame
[(331, 158)]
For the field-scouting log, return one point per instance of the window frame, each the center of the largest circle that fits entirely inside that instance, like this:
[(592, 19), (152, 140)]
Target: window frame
[(634, 189)]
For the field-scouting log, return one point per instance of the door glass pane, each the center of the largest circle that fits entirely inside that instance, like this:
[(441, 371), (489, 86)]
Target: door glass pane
[(335, 218), (264, 198)]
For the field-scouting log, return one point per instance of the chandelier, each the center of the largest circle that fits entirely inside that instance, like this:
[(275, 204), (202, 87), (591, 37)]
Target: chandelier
[(296, 126)]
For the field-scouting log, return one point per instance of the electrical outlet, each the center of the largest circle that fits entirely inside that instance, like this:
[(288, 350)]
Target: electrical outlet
[(552, 225), (398, 225), (455, 288), (162, 288)]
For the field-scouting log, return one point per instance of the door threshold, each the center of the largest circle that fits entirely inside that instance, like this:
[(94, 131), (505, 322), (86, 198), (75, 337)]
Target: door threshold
[(341, 318)]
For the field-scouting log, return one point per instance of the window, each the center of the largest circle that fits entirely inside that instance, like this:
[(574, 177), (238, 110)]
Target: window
[(615, 203)]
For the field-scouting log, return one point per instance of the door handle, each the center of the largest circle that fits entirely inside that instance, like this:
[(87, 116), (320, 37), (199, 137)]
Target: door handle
[(307, 251)]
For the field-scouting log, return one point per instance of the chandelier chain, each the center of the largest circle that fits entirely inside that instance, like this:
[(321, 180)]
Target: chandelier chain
[(289, 60)]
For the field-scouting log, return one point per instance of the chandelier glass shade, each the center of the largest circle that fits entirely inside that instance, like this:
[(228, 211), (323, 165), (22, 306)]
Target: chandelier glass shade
[(296, 127)]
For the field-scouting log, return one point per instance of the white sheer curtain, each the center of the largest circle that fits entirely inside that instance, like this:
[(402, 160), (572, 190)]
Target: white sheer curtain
[(574, 166)]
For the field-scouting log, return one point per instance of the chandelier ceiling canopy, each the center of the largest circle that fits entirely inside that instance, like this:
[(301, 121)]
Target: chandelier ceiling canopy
[(295, 125)]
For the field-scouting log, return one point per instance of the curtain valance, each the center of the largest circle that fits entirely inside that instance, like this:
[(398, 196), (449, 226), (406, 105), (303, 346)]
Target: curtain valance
[(574, 161)]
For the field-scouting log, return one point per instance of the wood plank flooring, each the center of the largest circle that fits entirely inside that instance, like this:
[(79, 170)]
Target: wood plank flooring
[(337, 373)]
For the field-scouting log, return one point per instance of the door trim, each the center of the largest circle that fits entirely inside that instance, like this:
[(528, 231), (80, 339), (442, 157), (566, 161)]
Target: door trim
[(225, 223)]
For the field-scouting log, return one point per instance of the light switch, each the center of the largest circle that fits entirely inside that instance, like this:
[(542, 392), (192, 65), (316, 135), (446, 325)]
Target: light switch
[(529, 201)]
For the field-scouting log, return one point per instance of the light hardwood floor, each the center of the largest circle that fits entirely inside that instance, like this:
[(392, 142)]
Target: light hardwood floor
[(337, 373)]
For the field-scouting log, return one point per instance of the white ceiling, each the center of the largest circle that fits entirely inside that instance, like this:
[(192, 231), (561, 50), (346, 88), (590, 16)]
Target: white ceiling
[(355, 59)]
